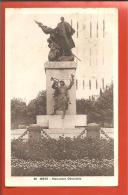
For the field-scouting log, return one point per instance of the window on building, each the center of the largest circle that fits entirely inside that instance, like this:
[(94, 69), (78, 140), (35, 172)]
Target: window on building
[(103, 28), (90, 84), (76, 84), (97, 29), (103, 83), (83, 84), (96, 84)]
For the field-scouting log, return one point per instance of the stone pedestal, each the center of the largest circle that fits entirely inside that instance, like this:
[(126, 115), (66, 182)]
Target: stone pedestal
[(72, 125), (55, 121), (61, 71), (93, 130)]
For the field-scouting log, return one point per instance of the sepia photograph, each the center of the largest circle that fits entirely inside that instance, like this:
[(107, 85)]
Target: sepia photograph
[(61, 96)]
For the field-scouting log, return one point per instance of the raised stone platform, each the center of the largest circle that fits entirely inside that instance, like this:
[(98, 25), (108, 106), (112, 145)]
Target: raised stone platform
[(55, 121)]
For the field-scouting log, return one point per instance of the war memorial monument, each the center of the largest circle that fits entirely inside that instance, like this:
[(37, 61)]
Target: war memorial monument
[(61, 118), (62, 141)]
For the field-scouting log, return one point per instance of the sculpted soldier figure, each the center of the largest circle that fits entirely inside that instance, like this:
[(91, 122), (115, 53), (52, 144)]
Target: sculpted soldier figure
[(60, 41), (64, 32), (61, 96)]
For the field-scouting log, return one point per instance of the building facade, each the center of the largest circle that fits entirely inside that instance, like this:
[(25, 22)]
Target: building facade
[(94, 51)]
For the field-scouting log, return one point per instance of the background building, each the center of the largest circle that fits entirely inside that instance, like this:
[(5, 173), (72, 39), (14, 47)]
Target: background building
[(94, 47)]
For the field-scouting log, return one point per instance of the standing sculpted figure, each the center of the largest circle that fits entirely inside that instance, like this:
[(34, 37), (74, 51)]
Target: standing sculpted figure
[(61, 96), (60, 41)]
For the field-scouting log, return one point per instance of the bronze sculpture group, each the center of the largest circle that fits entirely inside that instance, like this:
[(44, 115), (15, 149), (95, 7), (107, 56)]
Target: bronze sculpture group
[(60, 41)]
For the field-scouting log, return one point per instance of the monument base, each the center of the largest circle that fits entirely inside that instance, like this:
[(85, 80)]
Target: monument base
[(72, 133), (56, 122)]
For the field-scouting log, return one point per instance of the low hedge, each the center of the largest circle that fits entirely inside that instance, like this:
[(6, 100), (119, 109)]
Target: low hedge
[(81, 167), (64, 148)]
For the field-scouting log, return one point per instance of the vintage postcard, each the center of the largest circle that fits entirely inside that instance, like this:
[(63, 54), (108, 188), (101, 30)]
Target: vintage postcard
[(61, 69)]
